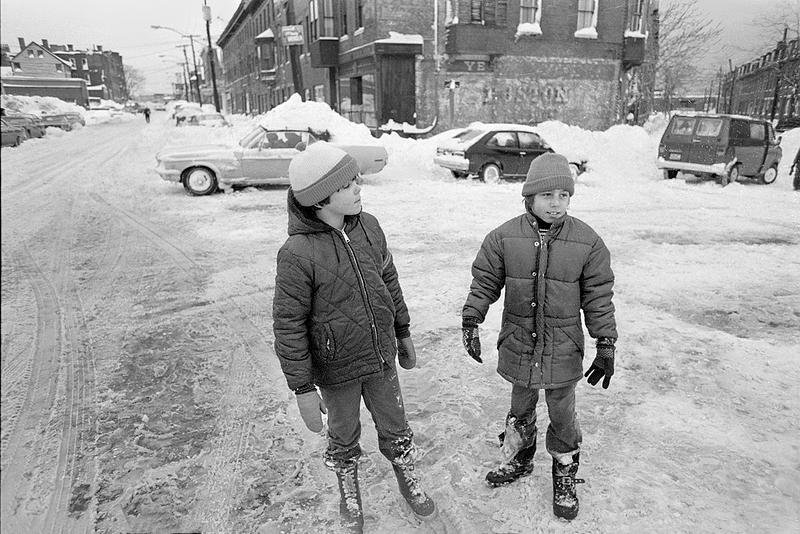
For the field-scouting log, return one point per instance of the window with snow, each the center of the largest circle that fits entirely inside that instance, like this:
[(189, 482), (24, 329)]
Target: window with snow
[(587, 19), (39, 53), (530, 18), (359, 14), (636, 24), (476, 11), (59, 67), (84, 64), (31, 54)]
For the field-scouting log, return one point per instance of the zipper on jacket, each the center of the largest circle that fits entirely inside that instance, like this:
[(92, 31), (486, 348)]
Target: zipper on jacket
[(363, 287)]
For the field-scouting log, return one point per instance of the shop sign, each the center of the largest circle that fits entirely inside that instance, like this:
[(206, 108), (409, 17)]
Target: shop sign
[(292, 35), (469, 65)]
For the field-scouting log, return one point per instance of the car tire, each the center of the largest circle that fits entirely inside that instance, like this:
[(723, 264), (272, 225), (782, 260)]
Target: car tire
[(770, 175), (458, 175), (17, 141), (199, 181), (729, 177), (491, 173), (670, 174)]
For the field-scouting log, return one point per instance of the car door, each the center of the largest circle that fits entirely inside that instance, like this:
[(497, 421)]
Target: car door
[(503, 147), (706, 138), (531, 147), (774, 150), (753, 148), (267, 159)]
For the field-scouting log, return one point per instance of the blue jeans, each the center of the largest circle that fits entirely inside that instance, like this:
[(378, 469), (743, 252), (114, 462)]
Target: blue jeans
[(563, 433), (384, 400)]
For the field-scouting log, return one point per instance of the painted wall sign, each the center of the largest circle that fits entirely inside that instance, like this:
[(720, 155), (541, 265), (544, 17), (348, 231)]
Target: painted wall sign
[(292, 35), (468, 65)]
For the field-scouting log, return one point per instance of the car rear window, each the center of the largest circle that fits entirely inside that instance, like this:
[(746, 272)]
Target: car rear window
[(709, 127), (682, 126), (529, 140), (757, 130)]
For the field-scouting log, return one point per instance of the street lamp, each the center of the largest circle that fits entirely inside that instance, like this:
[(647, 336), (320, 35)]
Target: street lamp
[(207, 18), (194, 59)]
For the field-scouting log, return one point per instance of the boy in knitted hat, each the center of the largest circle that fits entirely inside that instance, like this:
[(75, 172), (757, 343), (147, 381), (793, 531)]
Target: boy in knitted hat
[(552, 266), (339, 320)]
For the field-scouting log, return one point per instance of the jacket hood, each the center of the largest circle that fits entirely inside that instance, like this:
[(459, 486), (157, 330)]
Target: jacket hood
[(302, 223)]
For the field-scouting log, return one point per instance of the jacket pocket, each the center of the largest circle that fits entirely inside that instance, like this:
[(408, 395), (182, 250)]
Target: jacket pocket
[(323, 344), (506, 330)]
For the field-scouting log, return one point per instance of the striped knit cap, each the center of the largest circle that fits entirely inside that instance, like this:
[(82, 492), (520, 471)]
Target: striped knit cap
[(319, 171), (547, 172)]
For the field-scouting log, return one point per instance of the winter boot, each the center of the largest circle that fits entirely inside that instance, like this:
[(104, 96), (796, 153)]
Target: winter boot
[(518, 442), (408, 481), (350, 493), (565, 498)]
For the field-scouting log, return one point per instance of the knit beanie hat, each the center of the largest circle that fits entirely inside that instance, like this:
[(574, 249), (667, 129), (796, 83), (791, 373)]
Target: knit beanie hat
[(319, 171), (547, 172)]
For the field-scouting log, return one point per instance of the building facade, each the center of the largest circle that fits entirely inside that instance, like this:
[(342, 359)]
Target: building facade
[(102, 69), (766, 87), (450, 61)]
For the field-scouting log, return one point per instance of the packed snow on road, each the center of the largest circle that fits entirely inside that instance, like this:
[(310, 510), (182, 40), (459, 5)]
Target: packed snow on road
[(141, 392)]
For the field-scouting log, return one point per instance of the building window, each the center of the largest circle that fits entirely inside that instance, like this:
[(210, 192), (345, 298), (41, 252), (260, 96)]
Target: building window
[(313, 20), (319, 93), (59, 67), (359, 14), (16, 66), (476, 11), (84, 64), (587, 19), (72, 63), (637, 17), (31, 54), (328, 29), (530, 18), (343, 17), (39, 53)]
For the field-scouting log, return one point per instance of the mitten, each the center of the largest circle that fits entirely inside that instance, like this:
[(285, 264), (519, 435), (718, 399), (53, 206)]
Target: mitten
[(471, 340), (406, 355), (603, 364), (311, 406)]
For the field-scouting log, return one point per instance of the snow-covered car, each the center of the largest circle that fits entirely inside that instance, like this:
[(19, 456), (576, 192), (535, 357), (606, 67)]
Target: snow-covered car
[(494, 152), (34, 127), (261, 157), (207, 119), (13, 134), (66, 121)]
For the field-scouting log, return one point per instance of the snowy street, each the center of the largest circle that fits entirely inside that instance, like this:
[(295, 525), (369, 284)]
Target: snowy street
[(141, 392)]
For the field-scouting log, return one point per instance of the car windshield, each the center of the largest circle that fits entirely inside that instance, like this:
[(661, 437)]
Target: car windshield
[(467, 135)]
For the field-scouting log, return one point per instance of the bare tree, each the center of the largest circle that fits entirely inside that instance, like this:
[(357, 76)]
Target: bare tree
[(784, 14), (685, 36), (133, 80)]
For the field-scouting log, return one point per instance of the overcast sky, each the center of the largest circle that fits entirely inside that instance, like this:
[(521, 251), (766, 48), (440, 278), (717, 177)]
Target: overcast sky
[(124, 27)]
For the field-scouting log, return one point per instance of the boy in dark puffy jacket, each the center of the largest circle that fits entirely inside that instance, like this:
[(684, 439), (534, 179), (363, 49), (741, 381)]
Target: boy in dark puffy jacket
[(552, 266), (339, 320)]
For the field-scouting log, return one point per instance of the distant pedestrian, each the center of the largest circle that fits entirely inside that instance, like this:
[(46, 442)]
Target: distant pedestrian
[(147, 114), (796, 171), (552, 266), (340, 319)]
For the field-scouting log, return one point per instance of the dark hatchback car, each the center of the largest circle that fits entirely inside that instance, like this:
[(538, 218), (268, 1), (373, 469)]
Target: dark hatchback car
[(494, 152), (728, 147)]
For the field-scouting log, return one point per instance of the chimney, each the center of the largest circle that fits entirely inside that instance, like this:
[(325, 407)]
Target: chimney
[(21, 43), (45, 44), (99, 48), (69, 47)]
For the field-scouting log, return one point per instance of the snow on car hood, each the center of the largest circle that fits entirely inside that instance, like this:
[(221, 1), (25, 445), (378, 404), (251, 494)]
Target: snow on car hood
[(194, 151)]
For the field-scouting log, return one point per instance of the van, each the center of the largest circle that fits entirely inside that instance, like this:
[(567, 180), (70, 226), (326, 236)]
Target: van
[(728, 147)]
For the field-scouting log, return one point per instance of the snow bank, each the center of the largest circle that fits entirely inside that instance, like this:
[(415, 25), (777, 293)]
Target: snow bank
[(39, 105)]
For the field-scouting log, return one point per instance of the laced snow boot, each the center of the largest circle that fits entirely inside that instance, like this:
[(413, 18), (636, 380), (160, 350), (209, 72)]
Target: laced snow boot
[(518, 442), (411, 490), (350, 493), (565, 498)]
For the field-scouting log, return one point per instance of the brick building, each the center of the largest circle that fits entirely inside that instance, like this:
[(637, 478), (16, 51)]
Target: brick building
[(37, 71), (766, 87), (454, 61)]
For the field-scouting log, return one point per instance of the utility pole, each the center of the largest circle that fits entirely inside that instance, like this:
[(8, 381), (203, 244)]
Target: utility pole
[(186, 79), (207, 17), (294, 55), (196, 76)]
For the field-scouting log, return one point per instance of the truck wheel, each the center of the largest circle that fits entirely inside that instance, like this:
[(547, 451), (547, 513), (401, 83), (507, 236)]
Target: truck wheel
[(770, 175)]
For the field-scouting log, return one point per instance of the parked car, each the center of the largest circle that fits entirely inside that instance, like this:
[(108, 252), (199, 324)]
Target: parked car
[(495, 151), (728, 147), (206, 119), (13, 134), (261, 157), (34, 127), (66, 121)]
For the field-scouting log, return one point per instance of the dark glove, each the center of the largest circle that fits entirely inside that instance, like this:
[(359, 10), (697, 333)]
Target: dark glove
[(472, 342), (311, 406), (406, 355), (603, 364)]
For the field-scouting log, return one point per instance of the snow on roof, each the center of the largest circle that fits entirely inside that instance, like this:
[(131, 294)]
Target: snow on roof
[(394, 37), (266, 34)]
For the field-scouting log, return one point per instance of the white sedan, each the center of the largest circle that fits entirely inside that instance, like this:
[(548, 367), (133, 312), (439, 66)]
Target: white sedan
[(262, 157)]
